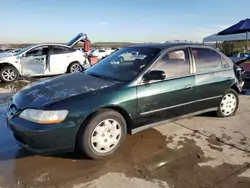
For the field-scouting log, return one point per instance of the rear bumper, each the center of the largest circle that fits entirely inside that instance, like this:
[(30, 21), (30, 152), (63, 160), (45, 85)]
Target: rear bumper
[(46, 140)]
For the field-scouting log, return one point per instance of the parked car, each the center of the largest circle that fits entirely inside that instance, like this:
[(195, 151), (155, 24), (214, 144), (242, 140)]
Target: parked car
[(43, 60), (101, 53), (243, 54), (244, 63), (110, 50), (95, 109)]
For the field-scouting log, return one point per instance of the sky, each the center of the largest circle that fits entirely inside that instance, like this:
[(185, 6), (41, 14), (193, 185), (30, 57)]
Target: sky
[(117, 20)]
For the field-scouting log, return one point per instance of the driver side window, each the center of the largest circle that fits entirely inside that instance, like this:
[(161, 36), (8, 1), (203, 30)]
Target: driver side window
[(39, 51), (174, 63)]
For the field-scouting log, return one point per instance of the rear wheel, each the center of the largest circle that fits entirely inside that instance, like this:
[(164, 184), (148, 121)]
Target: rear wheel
[(8, 74), (75, 67), (229, 104), (103, 135)]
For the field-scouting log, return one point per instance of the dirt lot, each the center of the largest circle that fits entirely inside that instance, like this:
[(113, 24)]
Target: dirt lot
[(199, 152)]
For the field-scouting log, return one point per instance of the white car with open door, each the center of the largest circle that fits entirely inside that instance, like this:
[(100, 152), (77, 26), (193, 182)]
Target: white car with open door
[(44, 60)]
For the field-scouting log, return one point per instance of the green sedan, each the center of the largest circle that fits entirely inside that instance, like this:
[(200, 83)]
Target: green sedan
[(135, 88)]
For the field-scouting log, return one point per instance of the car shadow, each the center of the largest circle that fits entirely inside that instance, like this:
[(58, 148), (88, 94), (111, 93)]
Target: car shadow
[(75, 155), (207, 114)]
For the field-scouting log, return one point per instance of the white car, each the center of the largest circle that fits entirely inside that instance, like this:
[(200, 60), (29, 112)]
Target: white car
[(43, 60), (101, 53)]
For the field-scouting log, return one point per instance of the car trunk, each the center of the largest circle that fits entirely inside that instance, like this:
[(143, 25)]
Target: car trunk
[(80, 38)]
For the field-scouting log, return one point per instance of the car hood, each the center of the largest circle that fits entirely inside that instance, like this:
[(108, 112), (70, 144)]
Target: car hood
[(5, 55), (43, 93), (7, 58)]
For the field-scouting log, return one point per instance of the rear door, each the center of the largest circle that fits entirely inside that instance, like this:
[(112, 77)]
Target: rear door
[(169, 98), (59, 60), (213, 76)]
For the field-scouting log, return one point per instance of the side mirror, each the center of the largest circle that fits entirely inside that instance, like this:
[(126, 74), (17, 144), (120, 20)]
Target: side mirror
[(155, 75)]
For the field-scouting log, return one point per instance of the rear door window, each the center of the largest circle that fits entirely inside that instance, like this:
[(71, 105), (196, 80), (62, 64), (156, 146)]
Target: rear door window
[(225, 64), (60, 50), (207, 60)]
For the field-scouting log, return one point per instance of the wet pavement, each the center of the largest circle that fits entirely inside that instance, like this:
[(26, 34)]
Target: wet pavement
[(203, 151)]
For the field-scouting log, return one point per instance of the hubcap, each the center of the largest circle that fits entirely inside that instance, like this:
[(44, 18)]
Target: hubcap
[(9, 75), (228, 104), (76, 68), (106, 136)]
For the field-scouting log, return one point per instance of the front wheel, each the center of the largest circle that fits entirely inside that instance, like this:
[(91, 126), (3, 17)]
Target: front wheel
[(8, 74), (103, 135), (229, 104)]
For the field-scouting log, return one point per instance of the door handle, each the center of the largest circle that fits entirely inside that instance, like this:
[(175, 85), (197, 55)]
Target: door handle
[(39, 59), (189, 86)]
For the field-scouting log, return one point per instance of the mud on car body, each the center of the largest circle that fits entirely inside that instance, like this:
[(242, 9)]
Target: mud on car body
[(95, 109)]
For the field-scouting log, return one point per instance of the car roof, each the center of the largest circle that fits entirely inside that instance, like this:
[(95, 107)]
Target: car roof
[(52, 44), (46, 44), (167, 45)]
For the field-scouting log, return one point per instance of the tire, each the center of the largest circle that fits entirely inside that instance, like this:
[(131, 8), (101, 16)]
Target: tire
[(75, 67), (229, 104), (94, 144), (9, 74)]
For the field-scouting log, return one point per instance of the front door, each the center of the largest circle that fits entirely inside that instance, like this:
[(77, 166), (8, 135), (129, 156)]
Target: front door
[(213, 77), (33, 62), (169, 98)]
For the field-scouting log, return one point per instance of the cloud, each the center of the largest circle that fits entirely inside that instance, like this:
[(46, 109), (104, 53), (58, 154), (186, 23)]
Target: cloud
[(103, 23)]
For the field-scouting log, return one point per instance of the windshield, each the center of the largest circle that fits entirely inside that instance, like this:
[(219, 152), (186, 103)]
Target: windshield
[(125, 64), (19, 52)]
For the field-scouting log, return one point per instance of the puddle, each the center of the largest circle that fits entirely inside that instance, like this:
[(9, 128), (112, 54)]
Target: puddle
[(13, 87), (145, 159), (167, 156), (7, 90)]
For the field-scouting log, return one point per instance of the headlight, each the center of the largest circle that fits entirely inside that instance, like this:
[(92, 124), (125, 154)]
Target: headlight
[(44, 117)]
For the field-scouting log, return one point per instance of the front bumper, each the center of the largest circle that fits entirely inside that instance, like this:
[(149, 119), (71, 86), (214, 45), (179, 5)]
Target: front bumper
[(43, 139)]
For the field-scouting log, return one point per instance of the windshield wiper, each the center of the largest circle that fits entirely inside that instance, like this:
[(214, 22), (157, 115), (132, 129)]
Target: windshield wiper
[(104, 77)]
